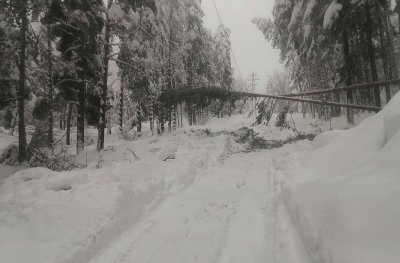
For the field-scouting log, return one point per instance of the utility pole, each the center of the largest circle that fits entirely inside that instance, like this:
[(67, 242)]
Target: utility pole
[(253, 82)]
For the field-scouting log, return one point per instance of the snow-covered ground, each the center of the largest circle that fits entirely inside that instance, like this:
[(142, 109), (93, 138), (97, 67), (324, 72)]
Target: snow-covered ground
[(343, 194), (194, 196)]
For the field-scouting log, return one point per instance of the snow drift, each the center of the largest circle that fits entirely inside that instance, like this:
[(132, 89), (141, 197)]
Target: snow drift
[(345, 202)]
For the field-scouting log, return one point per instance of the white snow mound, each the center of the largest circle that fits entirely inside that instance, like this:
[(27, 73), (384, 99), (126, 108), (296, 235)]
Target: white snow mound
[(347, 208)]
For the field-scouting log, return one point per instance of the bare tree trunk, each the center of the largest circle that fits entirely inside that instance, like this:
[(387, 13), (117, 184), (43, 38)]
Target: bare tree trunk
[(178, 119), (181, 114), (80, 121), (151, 117), (190, 114), (104, 92), (50, 119), (194, 120), (389, 39), (393, 73), (384, 50), (21, 90), (174, 118), (162, 120), (371, 54), (139, 116), (121, 108), (169, 119), (68, 124), (346, 53), (109, 122)]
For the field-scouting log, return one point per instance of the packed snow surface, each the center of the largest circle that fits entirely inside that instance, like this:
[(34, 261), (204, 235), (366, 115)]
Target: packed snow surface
[(195, 196)]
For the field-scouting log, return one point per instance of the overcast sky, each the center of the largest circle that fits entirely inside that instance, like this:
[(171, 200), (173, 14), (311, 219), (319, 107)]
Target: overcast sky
[(253, 52)]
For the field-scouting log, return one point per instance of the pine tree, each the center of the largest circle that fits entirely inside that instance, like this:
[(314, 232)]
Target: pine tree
[(78, 25)]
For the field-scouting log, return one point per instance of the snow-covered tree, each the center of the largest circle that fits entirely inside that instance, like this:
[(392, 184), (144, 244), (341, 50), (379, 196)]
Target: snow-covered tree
[(78, 25), (335, 42)]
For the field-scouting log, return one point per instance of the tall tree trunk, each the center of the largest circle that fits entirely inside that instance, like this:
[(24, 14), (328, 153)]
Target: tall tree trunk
[(392, 68), (190, 114), (108, 120), (139, 116), (50, 119), (121, 108), (178, 119), (384, 50), (80, 121), (169, 119), (389, 39), (65, 117), (151, 116), (371, 53), (21, 90), (347, 59), (174, 118), (194, 112), (162, 120), (181, 114), (397, 10), (68, 124), (104, 91)]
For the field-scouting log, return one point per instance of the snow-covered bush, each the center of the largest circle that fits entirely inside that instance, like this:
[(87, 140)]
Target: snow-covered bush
[(56, 161)]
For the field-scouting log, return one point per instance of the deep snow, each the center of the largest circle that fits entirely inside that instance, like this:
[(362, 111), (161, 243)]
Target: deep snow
[(331, 200), (345, 198)]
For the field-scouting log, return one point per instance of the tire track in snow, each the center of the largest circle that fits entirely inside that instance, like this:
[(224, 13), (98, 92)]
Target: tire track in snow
[(226, 216), (134, 209), (248, 239), (175, 222), (287, 242), (223, 239)]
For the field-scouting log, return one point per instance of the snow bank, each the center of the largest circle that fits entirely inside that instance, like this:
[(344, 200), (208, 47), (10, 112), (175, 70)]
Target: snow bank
[(344, 201), (47, 216)]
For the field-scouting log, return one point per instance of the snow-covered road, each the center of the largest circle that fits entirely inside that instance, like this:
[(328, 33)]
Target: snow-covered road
[(228, 215), (198, 196)]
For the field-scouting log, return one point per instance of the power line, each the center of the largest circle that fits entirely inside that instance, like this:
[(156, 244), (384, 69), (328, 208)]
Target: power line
[(226, 36)]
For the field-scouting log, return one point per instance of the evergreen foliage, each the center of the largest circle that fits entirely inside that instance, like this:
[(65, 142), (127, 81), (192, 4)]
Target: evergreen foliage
[(59, 55), (336, 42)]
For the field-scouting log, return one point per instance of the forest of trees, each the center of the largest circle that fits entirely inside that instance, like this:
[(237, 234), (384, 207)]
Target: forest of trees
[(78, 63), (330, 43), (56, 56)]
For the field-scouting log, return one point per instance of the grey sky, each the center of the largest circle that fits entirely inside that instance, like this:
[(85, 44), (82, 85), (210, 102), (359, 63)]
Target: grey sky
[(253, 52)]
